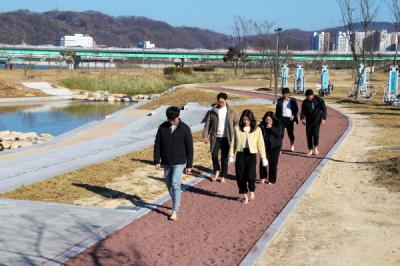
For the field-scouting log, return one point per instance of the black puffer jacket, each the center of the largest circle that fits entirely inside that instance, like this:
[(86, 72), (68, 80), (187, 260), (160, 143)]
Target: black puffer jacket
[(174, 148), (272, 136), (313, 111)]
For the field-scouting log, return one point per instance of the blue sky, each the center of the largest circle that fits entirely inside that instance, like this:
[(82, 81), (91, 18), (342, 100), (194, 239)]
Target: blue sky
[(212, 14)]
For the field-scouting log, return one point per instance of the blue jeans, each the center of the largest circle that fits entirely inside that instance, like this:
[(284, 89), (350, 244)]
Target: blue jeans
[(172, 176)]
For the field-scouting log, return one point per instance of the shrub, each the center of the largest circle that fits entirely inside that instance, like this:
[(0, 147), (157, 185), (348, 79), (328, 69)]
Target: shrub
[(176, 70), (204, 69)]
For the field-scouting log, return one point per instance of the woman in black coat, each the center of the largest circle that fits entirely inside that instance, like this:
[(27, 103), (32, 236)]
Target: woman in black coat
[(273, 134)]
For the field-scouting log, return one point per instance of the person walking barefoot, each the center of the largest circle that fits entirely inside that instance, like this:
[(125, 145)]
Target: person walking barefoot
[(313, 114), (248, 141), (286, 111), (173, 148), (273, 134), (218, 130)]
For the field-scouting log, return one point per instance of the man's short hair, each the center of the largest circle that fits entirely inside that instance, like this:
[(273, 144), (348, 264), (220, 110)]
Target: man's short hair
[(285, 90), (222, 95), (172, 112), (309, 92)]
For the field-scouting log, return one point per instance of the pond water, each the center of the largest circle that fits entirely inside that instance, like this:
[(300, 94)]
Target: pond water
[(54, 118)]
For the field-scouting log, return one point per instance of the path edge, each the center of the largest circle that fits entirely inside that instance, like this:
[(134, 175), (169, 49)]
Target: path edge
[(107, 231), (267, 237)]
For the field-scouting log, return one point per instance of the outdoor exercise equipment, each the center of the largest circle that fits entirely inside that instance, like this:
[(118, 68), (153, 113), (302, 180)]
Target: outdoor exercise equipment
[(326, 88), (299, 80), (391, 95), (285, 76), (363, 86)]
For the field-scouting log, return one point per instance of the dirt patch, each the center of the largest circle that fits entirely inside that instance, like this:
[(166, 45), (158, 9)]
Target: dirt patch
[(390, 174), (8, 90)]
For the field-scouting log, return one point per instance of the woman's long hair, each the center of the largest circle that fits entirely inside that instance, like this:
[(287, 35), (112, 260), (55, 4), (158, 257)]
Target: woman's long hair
[(250, 115), (273, 117)]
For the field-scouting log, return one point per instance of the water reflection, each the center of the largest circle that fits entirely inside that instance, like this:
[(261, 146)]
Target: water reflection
[(54, 118)]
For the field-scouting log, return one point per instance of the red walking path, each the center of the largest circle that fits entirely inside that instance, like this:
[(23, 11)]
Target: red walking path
[(214, 228)]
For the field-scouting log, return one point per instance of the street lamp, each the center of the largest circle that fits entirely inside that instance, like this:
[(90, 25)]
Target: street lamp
[(277, 31)]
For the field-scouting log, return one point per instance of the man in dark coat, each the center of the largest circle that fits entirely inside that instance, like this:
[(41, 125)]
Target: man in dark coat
[(313, 114), (173, 149), (287, 111)]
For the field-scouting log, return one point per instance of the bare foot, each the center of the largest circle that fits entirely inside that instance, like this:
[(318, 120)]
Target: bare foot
[(245, 200), (174, 216), (316, 152), (310, 153), (252, 196), (215, 178), (263, 181), (292, 148), (223, 180)]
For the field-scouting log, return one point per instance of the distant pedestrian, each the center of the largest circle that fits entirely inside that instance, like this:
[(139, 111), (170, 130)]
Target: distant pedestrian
[(218, 131), (248, 141), (273, 134), (313, 114), (287, 112), (173, 149)]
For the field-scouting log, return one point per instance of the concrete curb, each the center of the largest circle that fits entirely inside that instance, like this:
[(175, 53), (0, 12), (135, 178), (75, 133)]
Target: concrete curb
[(273, 229), (35, 99), (65, 256)]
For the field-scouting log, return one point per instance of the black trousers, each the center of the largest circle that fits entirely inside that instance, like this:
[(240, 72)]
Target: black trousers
[(289, 125), (221, 144), (271, 171), (312, 132), (246, 165)]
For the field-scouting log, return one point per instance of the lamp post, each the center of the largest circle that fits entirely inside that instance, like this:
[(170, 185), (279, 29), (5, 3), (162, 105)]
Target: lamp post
[(277, 31)]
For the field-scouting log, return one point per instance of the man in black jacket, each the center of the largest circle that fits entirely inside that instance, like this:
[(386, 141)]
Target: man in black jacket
[(286, 111), (173, 149), (313, 114)]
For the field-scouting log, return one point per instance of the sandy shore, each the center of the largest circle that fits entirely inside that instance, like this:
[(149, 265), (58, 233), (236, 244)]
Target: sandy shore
[(344, 218)]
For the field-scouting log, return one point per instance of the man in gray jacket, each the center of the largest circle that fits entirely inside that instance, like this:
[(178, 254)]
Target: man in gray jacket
[(218, 131)]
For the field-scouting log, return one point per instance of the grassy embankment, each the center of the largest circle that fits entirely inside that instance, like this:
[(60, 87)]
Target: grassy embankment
[(131, 82)]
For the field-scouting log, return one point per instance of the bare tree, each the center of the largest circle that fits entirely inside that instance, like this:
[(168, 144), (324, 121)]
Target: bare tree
[(364, 12), (394, 5), (263, 44), (243, 30)]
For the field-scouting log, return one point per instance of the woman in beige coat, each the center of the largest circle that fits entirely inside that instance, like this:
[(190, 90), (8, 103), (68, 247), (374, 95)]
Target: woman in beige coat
[(247, 142)]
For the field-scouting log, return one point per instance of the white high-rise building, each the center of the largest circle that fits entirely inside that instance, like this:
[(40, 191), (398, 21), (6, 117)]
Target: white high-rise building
[(77, 40), (358, 39), (320, 41), (342, 42), (385, 40)]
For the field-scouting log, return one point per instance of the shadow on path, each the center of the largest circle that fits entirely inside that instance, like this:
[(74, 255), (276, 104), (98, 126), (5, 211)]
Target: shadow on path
[(115, 194)]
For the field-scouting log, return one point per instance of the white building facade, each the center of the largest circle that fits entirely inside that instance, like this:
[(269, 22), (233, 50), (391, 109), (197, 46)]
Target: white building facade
[(77, 40), (320, 41), (147, 45), (342, 42)]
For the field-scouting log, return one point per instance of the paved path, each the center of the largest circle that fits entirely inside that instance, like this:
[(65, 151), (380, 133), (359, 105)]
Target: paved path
[(213, 228), (31, 233)]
